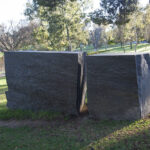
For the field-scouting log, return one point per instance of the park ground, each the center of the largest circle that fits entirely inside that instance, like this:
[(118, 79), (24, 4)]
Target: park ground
[(26, 130), (143, 47)]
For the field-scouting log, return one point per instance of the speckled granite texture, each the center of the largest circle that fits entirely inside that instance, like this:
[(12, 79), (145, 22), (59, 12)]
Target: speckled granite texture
[(51, 81), (118, 86)]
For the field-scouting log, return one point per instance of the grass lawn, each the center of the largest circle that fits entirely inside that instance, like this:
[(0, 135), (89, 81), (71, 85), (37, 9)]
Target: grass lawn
[(64, 133), (140, 48), (1, 54)]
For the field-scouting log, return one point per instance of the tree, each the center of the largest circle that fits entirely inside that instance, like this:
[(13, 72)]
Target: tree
[(147, 23), (95, 36), (135, 28), (130, 34), (16, 37), (115, 12), (50, 4), (118, 35), (62, 28), (111, 35)]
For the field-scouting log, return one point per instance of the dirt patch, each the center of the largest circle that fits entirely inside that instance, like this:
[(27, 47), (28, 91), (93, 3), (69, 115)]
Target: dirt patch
[(42, 123), (16, 123)]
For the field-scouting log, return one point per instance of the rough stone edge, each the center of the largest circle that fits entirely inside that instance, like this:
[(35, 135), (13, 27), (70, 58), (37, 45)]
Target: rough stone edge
[(139, 84), (82, 81), (142, 63)]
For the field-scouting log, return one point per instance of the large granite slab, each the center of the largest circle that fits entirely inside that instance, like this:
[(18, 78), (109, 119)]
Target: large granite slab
[(45, 81), (118, 86)]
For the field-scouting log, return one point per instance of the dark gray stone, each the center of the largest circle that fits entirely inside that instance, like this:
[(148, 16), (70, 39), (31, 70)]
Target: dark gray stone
[(45, 81), (118, 86)]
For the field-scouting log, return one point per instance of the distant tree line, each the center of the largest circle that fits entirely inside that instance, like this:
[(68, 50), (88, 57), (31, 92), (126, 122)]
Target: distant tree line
[(128, 22), (14, 37), (64, 25)]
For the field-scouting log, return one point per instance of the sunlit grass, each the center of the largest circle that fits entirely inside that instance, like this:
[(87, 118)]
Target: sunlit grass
[(1, 54), (140, 48), (134, 136), (80, 135), (3, 82)]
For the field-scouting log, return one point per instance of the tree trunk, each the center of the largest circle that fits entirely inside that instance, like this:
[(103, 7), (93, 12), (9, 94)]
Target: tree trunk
[(124, 47), (106, 45), (121, 44), (135, 46), (136, 39), (123, 37), (131, 47), (68, 38), (81, 47), (94, 45)]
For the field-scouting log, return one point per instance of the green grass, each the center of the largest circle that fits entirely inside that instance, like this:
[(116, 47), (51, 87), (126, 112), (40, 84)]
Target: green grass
[(79, 134), (62, 133), (3, 86), (7, 114), (134, 136), (1, 54), (140, 48)]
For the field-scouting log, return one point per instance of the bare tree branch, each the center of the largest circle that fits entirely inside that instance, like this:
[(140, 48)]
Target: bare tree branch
[(16, 36)]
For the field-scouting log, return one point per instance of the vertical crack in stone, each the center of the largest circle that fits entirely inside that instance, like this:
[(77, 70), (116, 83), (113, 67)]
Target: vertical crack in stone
[(81, 87)]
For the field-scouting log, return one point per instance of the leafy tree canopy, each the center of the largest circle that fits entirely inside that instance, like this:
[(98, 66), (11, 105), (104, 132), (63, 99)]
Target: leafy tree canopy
[(51, 4), (61, 28), (114, 11)]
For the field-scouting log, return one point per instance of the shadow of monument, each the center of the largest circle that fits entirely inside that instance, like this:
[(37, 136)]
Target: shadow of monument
[(132, 136)]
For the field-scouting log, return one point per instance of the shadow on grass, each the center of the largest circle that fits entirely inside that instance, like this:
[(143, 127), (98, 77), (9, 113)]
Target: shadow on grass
[(73, 134), (138, 141), (135, 136)]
